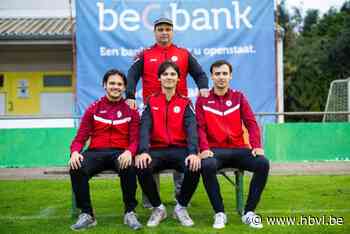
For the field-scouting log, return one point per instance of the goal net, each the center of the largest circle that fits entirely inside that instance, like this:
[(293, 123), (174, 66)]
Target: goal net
[(338, 100)]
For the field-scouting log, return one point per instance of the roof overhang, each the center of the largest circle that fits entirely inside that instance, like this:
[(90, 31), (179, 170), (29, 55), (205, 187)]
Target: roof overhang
[(36, 31)]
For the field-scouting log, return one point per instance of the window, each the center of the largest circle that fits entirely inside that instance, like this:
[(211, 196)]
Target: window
[(57, 80)]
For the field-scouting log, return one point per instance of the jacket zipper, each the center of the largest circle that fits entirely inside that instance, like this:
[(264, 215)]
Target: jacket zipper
[(110, 132), (166, 121), (223, 118)]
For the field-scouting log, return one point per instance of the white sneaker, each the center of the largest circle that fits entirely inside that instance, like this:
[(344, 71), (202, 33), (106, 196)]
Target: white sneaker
[(130, 219), (181, 214), (252, 219), (158, 214), (84, 221), (220, 220)]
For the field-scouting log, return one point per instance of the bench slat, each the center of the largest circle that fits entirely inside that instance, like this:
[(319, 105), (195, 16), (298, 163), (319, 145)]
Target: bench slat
[(65, 171)]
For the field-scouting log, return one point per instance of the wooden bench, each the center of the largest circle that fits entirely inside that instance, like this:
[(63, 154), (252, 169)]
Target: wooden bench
[(236, 182)]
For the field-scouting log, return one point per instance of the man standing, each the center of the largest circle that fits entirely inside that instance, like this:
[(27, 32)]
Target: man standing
[(147, 63), (168, 140), (220, 118), (146, 66), (113, 129)]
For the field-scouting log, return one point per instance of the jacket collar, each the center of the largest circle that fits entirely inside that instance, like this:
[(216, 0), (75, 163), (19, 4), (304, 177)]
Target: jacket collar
[(105, 100), (160, 94), (156, 46), (226, 95)]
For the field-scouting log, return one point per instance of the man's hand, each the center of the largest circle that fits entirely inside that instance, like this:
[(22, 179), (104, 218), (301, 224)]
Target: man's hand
[(143, 160), (258, 151), (204, 92), (206, 154), (125, 159), (75, 160), (131, 103), (193, 162)]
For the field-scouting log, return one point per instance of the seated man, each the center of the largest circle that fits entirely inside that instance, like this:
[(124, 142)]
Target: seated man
[(113, 129), (168, 140), (146, 66), (221, 142)]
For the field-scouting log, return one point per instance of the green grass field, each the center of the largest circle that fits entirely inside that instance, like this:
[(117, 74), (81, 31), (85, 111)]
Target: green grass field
[(42, 206)]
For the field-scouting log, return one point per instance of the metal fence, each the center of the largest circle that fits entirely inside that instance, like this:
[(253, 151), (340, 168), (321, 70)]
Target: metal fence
[(69, 121), (258, 115)]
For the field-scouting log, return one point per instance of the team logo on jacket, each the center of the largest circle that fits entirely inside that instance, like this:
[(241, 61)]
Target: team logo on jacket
[(228, 103), (177, 109), (174, 58), (119, 114)]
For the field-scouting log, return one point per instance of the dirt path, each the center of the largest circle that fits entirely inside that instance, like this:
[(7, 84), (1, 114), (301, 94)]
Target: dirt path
[(314, 168)]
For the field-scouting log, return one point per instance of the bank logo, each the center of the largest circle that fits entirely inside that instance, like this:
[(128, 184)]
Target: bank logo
[(236, 15)]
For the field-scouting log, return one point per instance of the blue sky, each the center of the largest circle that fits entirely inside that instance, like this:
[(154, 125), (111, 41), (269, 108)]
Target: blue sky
[(321, 5)]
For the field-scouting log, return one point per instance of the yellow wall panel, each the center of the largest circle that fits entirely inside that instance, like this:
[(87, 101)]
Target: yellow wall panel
[(23, 93), (23, 89)]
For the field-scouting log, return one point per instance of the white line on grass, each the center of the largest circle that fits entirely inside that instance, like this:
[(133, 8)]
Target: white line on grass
[(47, 212)]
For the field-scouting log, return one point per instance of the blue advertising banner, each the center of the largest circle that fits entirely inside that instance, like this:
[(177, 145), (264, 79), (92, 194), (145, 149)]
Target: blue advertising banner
[(109, 34)]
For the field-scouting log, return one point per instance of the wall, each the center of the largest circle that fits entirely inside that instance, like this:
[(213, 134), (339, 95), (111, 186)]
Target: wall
[(25, 58), (293, 142), (296, 142), (35, 147), (30, 63)]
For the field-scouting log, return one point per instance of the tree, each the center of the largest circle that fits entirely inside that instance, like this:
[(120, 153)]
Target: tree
[(317, 51), (310, 20)]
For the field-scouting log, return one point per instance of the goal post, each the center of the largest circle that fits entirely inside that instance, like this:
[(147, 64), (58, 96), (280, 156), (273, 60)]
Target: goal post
[(338, 100)]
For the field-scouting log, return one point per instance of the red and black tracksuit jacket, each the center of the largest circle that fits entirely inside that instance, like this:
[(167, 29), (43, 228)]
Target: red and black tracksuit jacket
[(168, 124), (148, 62), (109, 125), (220, 121)]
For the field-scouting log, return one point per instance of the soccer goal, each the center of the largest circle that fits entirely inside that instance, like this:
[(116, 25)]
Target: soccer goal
[(338, 100)]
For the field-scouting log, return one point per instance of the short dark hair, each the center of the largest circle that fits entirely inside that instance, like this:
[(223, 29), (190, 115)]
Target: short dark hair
[(219, 63), (165, 65), (112, 72)]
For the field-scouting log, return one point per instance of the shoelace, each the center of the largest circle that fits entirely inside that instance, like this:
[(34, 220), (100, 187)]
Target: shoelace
[(183, 214), (82, 218), (157, 212), (132, 218)]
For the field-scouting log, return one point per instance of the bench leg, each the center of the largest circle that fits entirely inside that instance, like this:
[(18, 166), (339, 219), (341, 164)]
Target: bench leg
[(74, 212), (239, 192)]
